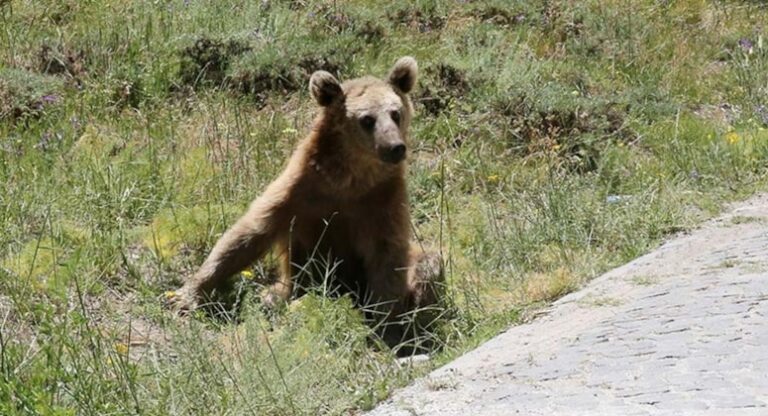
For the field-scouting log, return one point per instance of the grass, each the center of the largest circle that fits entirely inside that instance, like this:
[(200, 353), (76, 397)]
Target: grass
[(554, 140)]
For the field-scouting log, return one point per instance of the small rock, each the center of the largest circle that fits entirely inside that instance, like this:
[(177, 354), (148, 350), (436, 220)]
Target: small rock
[(413, 360)]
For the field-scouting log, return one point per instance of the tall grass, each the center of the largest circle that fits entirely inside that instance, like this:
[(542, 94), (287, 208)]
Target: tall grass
[(554, 140)]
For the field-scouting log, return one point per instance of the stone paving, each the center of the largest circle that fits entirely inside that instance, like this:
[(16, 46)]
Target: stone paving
[(680, 331)]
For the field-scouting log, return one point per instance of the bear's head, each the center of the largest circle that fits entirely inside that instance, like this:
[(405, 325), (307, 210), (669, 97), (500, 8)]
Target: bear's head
[(372, 114)]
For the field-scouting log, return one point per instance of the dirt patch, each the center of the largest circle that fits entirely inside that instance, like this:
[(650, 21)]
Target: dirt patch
[(209, 64), (422, 20), (501, 17), (723, 115), (560, 25), (61, 61), (259, 82), (206, 62), (325, 62), (370, 31), (122, 321), (441, 86), (571, 130), (133, 334), (330, 18)]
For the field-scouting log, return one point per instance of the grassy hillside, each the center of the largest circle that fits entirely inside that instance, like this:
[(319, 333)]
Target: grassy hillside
[(554, 140)]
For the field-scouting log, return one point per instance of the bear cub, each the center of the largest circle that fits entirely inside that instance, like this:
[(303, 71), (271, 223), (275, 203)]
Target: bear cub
[(342, 197)]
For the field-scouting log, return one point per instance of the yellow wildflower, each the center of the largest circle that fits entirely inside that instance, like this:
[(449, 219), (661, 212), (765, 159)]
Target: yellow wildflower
[(732, 137), (247, 274), (121, 348), (493, 178), (170, 294)]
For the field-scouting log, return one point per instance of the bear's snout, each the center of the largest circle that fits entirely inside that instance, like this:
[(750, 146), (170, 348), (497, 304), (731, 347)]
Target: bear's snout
[(394, 153)]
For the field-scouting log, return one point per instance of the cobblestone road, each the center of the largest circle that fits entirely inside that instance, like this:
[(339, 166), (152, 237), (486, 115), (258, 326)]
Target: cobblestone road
[(680, 331)]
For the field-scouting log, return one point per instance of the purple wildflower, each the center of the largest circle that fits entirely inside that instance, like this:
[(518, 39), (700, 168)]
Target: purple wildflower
[(746, 44), (695, 175)]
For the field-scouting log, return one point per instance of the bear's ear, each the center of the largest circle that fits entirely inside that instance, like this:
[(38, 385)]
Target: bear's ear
[(403, 74), (325, 88)]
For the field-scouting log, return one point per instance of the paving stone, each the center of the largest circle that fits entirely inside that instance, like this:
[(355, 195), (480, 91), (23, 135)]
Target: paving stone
[(728, 399), (695, 342), (682, 405)]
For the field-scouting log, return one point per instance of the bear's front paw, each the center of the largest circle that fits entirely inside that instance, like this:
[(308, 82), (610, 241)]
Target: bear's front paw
[(183, 301)]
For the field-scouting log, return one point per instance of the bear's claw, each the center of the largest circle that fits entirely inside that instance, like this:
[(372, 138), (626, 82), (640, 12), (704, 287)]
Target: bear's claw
[(182, 301)]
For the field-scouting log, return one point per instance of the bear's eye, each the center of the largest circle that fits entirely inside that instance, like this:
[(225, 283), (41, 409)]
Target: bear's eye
[(395, 117), (367, 123)]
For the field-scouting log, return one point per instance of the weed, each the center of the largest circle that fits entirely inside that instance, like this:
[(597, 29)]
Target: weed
[(746, 219), (645, 280), (598, 302), (443, 383), (25, 95), (728, 264)]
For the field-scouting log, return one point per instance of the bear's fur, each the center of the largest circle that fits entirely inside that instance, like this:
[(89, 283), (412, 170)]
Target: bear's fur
[(342, 197)]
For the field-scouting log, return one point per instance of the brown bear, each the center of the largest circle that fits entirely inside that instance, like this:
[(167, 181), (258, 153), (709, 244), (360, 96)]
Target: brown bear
[(342, 196)]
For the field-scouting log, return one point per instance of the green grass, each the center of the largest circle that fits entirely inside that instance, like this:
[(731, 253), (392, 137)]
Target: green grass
[(554, 140)]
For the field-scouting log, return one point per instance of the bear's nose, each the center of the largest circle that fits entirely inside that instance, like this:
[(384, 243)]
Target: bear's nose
[(397, 153)]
